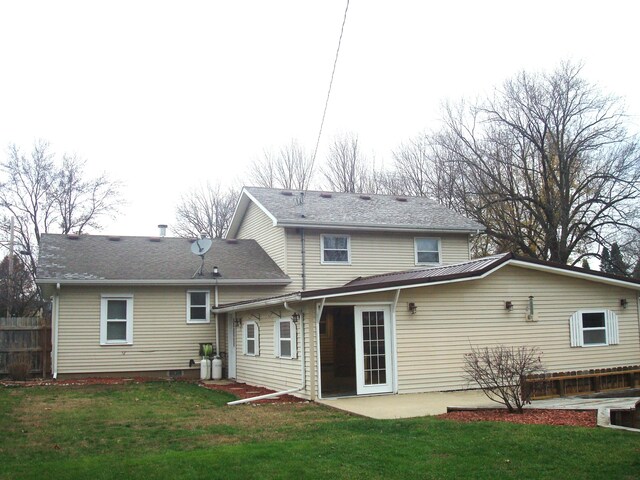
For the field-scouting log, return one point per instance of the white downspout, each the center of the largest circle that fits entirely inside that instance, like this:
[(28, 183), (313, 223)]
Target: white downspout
[(394, 341), (319, 309), (215, 304), (303, 356), (303, 373), (54, 332)]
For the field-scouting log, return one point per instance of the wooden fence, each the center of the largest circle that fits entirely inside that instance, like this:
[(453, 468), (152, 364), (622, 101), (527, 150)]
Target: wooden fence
[(559, 384), (31, 335)]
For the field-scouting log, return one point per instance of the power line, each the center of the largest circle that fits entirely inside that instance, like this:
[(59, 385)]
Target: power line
[(326, 103)]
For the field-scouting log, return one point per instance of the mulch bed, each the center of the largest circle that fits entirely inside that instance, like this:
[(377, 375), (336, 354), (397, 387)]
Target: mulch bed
[(242, 390), (533, 416)]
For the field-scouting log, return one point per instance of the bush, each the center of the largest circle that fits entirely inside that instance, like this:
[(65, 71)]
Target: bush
[(19, 366), (501, 372)]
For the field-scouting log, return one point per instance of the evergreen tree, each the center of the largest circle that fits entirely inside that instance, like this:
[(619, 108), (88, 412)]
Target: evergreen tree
[(618, 265), (605, 260), (585, 264), (636, 271)]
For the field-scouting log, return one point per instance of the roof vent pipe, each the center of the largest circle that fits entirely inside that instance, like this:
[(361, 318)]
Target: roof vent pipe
[(163, 230)]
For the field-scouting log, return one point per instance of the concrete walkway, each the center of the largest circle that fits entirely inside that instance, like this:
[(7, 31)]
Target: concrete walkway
[(434, 403)]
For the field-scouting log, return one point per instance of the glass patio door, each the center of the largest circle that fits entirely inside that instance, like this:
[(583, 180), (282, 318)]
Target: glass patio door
[(373, 352)]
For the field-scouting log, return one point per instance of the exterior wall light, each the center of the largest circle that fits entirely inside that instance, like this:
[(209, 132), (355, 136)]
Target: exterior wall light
[(295, 317), (216, 272), (624, 302), (412, 307), (508, 305), (237, 321)]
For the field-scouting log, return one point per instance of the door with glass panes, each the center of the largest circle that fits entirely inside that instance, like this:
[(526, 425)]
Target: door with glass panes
[(374, 373)]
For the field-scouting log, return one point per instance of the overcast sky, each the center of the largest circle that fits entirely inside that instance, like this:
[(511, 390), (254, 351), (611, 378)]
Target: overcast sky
[(167, 95)]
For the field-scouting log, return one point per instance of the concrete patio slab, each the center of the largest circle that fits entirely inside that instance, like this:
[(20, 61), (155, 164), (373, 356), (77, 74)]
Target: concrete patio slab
[(434, 403), (409, 404)]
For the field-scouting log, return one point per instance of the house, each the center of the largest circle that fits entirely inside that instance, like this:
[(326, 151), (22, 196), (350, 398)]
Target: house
[(323, 294)]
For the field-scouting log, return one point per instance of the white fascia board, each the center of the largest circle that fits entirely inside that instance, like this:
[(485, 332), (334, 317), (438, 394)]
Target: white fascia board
[(238, 213), (385, 228), (405, 287), (261, 281), (569, 273), (294, 297)]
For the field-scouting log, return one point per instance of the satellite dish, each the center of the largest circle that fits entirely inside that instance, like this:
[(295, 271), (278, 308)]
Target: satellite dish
[(201, 246)]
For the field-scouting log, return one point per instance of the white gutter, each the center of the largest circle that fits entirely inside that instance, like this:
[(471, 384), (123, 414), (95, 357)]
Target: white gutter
[(319, 309), (367, 227), (215, 304), (303, 372), (54, 332), (262, 397), (394, 341), (303, 356), (294, 297), (102, 281)]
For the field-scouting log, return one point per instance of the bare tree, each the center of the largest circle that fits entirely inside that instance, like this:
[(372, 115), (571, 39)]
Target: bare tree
[(501, 372), (208, 209), (44, 197), (291, 168), (18, 294), (546, 165), (347, 169)]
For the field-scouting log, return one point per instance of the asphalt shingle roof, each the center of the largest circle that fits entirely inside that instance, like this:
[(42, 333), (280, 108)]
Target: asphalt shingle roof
[(353, 209), (98, 257)]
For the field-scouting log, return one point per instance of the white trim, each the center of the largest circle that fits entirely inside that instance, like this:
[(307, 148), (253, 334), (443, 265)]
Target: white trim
[(361, 387), (104, 300), (192, 282), (610, 328), (377, 228), (255, 338), (207, 307), (293, 297), (335, 262), (293, 332), (54, 335), (415, 250), (232, 349), (394, 341), (319, 308), (241, 208)]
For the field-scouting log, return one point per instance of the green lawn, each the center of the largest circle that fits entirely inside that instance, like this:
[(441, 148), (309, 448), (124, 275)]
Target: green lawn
[(180, 430)]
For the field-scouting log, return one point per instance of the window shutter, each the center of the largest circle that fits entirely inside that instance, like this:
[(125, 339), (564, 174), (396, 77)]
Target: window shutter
[(257, 330), (612, 328), (575, 326), (276, 339)]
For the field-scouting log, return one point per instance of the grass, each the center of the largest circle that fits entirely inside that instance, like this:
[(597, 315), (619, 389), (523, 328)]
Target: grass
[(180, 430)]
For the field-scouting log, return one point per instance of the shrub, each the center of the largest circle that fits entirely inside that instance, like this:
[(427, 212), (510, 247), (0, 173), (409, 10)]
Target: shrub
[(501, 372), (19, 366)]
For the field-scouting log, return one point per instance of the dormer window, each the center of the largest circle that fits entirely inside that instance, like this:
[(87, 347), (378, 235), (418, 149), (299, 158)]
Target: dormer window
[(336, 249), (427, 251)]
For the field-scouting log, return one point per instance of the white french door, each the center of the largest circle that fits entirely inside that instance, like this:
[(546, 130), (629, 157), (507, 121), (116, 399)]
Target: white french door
[(374, 372)]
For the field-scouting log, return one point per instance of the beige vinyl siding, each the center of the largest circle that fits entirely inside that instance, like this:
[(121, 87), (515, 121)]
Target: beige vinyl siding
[(371, 253), (265, 369), (450, 318), (234, 293), (162, 340), (258, 226)]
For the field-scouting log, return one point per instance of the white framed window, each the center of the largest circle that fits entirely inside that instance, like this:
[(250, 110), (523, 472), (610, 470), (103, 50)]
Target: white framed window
[(335, 249), (592, 328), (427, 250), (285, 338), (116, 320), (251, 338), (198, 306)]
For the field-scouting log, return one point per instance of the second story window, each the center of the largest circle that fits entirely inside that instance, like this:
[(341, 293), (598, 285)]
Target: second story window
[(198, 306), (335, 249), (427, 251)]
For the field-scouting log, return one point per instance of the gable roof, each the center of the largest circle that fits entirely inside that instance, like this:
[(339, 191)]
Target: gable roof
[(350, 211), (152, 260)]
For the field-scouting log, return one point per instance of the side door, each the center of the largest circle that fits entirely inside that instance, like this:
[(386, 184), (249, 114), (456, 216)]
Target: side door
[(374, 372)]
